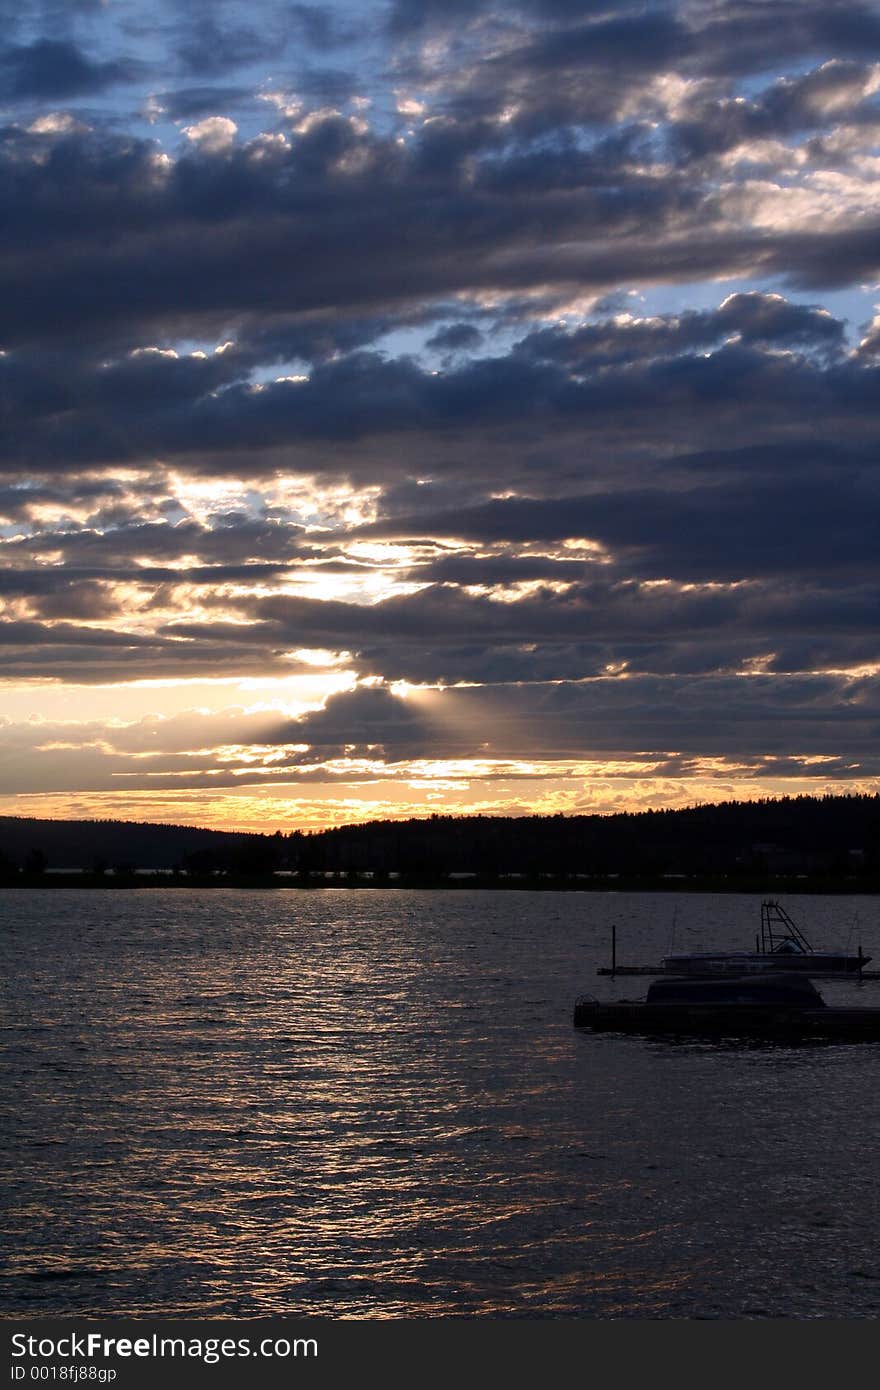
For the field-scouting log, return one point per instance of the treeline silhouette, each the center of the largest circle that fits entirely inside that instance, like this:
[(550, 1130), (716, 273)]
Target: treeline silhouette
[(818, 837), (116, 848)]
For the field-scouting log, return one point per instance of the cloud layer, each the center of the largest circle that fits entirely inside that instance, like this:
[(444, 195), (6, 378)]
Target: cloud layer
[(492, 389)]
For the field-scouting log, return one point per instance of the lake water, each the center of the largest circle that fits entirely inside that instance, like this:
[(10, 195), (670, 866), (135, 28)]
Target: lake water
[(373, 1104)]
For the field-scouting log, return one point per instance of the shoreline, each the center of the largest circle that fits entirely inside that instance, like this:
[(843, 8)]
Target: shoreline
[(770, 886)]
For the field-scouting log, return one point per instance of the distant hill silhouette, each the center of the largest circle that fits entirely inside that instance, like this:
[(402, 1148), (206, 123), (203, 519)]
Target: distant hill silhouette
[(835, 836), (81, 844)]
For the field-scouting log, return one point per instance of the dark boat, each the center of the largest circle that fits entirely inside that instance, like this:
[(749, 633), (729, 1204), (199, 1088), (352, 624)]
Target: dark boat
[(781, 946), (755, 1006)]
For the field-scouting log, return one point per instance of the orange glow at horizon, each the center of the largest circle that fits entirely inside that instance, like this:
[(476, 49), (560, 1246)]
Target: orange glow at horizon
[(319, 806)]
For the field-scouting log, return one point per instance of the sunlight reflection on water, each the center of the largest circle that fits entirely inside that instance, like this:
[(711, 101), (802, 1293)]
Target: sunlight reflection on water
[(374, 1104)]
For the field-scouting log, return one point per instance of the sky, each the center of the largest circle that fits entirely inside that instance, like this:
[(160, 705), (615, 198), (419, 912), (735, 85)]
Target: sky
[(451, 407)]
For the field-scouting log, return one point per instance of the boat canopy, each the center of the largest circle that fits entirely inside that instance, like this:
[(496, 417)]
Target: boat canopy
[(779, 935), (795, 990)]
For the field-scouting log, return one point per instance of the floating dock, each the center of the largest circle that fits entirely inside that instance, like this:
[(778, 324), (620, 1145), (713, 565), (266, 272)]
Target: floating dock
[(814, 975), (630, 970)]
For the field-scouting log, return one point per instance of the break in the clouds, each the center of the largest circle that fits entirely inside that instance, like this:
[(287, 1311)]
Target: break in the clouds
[(437, 406)]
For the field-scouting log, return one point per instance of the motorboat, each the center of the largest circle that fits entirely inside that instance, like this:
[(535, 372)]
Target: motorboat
[(771, 1006), (781, 946)]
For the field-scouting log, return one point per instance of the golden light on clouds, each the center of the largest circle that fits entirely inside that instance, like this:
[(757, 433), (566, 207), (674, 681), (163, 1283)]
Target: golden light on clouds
[(504, 480), (365, 585), (249, 748), (287, 807), (164, 698)]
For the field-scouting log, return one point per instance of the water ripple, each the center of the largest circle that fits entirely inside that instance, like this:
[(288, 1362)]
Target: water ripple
[(374, 1105)]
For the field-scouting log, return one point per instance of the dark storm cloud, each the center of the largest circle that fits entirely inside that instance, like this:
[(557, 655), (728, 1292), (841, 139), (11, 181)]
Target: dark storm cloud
[(18, 500), (211, 43), (754, 318), (714, 468), (213, 37), (602, 609), (457, 337), (725, 531), (195, 411), (23, 634), (651, 714), (724, 39), (317, 337), (319, 27), (838, 90), (362, 717), (78, 593), (671, 723), (600, 620), (324, 86), (540, 663), (586, 69), (195, 246), (745, 37), (57, 69), (89, 655), (231, 541), (22, 581), (78, 601), (567, 720), (596, 624), (500, 569), (833, 260), (708, 528), (190, 103), (406, 17)]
